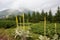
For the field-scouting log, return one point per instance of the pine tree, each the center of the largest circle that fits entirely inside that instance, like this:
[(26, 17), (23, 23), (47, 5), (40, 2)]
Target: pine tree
[(38, 16), (42, 15), (29, 17), (57, 15), (33, 17), (50, 16)]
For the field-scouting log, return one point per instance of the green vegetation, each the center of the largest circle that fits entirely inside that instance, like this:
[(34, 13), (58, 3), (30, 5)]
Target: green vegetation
[(36, 20), (36, 30), (7, 24)]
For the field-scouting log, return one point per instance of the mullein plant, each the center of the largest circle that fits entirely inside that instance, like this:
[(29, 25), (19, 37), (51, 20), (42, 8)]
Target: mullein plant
[(55, 37), (21, 31)]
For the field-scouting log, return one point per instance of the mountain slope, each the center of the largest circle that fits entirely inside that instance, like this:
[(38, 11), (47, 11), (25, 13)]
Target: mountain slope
[(8, 12)]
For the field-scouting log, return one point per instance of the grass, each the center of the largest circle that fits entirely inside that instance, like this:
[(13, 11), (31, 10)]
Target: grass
[(36, 30)]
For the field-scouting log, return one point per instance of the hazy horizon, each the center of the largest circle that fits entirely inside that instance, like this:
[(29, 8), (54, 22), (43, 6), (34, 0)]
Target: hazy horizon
[(35, 5)]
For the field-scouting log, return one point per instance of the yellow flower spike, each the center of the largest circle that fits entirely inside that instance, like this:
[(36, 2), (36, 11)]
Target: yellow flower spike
[(16, 21), (44, 26), (23, 23)]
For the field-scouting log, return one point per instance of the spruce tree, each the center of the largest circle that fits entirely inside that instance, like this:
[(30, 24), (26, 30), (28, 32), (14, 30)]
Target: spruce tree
[(33, 17), (57, 15), (50, 16), (42, 15), (38, 16), (29, 17)]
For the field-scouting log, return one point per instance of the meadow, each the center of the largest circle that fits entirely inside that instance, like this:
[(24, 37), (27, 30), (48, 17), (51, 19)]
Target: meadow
[(8, 31)]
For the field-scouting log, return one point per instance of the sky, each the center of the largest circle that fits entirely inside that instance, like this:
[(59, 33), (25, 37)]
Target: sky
[(35, 5)]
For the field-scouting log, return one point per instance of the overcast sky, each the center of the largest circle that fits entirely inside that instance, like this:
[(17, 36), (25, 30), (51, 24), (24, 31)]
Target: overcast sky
[(36, 5)]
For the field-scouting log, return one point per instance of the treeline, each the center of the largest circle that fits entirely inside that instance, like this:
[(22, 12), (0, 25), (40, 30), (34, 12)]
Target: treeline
[(33, 17), (37, 16)]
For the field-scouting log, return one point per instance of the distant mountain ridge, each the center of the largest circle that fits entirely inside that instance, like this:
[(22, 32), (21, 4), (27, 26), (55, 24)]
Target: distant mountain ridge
[(8, 12)]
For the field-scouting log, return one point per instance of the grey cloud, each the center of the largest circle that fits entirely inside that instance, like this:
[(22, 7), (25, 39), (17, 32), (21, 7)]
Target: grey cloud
[(36, 5)]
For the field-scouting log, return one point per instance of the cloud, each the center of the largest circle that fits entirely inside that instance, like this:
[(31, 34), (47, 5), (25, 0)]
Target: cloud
[(4, 4), (36, 5)]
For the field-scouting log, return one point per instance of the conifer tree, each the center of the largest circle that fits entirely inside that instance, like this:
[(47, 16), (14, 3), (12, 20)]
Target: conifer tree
[(42, 15), (50, 16), (57, 15)]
